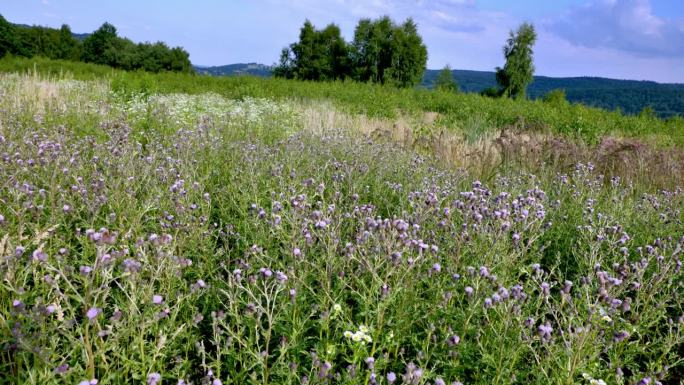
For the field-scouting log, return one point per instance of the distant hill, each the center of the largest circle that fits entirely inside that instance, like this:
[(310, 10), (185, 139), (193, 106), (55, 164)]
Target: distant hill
[(630, 96), (253, 69)]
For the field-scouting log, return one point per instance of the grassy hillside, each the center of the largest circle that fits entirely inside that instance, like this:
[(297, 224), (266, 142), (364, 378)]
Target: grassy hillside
[(629, 96), (467, 114)]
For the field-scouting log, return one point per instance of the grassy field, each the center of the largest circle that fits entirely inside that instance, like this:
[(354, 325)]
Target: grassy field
[(175, 229)]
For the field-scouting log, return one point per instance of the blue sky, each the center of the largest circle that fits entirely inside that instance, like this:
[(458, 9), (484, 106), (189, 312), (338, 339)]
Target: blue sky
[(627, 39)]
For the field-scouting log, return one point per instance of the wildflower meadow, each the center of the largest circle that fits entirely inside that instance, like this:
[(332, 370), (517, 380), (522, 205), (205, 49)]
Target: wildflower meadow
[(150, 238)]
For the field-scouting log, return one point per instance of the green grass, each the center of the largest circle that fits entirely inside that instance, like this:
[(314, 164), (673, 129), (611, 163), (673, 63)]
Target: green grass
[(457, 111), (284, 255)]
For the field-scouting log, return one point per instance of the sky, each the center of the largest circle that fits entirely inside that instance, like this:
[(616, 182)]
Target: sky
[(623, 39)]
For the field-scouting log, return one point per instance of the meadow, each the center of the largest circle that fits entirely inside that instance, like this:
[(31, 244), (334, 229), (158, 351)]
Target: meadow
[(177, 229)]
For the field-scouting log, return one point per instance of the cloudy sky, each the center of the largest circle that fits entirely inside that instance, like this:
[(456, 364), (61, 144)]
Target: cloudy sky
[(626, 39)]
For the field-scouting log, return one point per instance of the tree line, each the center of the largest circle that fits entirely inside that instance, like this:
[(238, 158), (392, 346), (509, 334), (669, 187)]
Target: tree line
[(382, 52), (103, 46), (386, 52)]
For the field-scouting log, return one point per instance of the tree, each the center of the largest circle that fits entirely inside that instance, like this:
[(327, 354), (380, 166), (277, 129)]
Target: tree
[(8, 38), (68, 47), (96, 45), (445, 80), (383, 52), (318, 55), (518, 71), (408, 56)]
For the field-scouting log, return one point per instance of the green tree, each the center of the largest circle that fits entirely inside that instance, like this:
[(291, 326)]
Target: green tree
[(383, 52), (445, 80), (285, 66), (318, 55), (100, 42), (518, 71), (68, 48), (408, 56), (8, 38)]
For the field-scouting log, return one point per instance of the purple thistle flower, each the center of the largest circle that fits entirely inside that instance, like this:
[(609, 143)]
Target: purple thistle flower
[(620, 336), (39, 256), (93, 312), (545, 331), (153, 378), (545, 289), (391, 377), (370, 362), (469, 291), (439, 381), (487, 303), (453, 340), (61, 369), (85, 270), (281, 277), (323, 373), (157, 299)]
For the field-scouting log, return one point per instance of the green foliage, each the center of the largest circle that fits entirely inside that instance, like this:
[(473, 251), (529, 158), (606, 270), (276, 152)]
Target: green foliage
[(196, 239), (382, 52), (375, 100), (386, 53), (318, 55), (101, 47), (518, 71), (445, 80), (556, 98)]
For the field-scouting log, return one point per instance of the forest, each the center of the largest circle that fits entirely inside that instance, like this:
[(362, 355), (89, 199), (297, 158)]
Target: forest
[(103, 46)]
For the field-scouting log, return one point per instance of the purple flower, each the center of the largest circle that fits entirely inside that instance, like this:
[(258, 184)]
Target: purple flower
[(93, 312), (85, 270), (545, 331), (157, 299), (370, 362), (39, 256), (281, 277), (153, 378), (453, 340), (545, 289), (391, 377), (469, 291), (61, 369), (436, 267), (216, 382), (296, 252), (487, 303), (439, 381), (620, 336)]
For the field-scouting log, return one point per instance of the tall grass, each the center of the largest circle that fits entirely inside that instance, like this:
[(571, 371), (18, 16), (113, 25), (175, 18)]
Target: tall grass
[(457, 112), (175, 239)]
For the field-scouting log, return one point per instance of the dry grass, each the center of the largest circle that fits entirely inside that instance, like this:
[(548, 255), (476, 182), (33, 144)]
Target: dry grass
[(521, 144)]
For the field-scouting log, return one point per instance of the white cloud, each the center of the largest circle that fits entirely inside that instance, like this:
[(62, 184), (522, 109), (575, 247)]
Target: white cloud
[(626, 25)]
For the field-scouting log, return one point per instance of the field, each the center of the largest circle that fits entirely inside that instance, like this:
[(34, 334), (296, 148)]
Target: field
[(171, 229)]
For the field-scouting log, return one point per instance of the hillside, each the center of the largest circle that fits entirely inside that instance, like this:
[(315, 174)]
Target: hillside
[(253, 69), (630, 96)]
